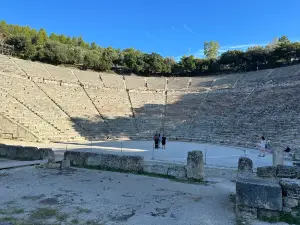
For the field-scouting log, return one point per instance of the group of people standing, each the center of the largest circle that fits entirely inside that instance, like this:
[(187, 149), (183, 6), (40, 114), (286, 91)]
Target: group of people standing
[(159, 140), (265, 145)]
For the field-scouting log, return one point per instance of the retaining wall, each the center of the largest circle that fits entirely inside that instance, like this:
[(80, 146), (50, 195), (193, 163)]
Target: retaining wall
[(25, 153), (133, 164), (273, 193)]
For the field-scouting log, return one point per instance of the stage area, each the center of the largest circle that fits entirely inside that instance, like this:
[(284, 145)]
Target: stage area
[(215, 155)]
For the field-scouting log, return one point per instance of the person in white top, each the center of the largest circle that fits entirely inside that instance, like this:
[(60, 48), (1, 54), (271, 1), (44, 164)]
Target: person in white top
[(262, 147)]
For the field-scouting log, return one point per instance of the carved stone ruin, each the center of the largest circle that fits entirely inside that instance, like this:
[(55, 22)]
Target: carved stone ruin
[(195, 165), (245, 165)]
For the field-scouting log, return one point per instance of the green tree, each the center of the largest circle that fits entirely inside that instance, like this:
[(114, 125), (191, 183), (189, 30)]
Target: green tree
[(232, 58), (188, 63), (211, 49), (284, 40), (134, 60), (42, 37), (154, 63), (22, 46), (3, 27)]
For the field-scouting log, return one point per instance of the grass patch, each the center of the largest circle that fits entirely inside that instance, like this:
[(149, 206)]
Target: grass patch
[(83, 210), (62, 217), (74, 221), (10, 211), (43, 213), (8, 219)]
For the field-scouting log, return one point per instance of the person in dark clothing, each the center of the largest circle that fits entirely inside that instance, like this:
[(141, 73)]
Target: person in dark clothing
[(163, 141), (156, 140)]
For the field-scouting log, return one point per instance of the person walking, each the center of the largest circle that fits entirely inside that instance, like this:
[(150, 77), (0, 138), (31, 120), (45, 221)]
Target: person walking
[(262, 147), (163, 141)]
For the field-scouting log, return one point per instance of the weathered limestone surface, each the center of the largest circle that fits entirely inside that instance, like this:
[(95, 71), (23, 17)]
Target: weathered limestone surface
[(258, 193), (195, 165), (266, 171), (245, 165), (25, 153), (263, 214), (288, 171), (65, 164), (168, 169), (291, 187), (105, 161)]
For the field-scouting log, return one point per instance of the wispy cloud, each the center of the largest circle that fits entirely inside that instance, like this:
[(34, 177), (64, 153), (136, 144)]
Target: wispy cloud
[(175, 29), (200, 53), (151, 36), (189, 29)]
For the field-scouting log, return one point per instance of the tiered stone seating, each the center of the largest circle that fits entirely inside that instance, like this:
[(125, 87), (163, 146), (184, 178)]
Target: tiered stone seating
[(17, 112), (227, 81), (34, 68), (200, 83), (112, 80), (178, 83), (116, 109), (148, 108), (88, 78), (180, 110), (75, 102), (253, 79), (25, 91), (285, 74), (273, 112), (61, 73), (135, 82), (156, 83), (211, 121), (8, 66)]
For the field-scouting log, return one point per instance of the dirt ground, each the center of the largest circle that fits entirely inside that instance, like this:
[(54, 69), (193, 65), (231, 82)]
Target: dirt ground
[(31, 195)]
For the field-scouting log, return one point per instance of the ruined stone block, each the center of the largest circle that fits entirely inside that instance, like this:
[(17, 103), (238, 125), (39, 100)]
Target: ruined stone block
[(259, 193), (13, 151), (245, 165), (245, 212), (46, 153), (266, 171), (156, 168), (65, 164), (290, 202), (76, 158), (28, 153), (287, 171), (3, 150), (195, 165), (178, 171), (290, 187), (264, 214)]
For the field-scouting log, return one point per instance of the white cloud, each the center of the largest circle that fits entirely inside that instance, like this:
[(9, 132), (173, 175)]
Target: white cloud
[(189, 29)]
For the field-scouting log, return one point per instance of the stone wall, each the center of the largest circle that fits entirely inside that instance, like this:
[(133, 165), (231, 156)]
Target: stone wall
[(25, 153), (132, 163), (105, 161), (273, 194)]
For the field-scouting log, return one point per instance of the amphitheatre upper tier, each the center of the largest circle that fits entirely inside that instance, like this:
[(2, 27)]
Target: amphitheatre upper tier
[(42, 102)]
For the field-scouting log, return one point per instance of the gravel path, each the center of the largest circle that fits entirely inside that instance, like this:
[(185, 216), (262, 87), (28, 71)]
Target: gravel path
[(81, 196)]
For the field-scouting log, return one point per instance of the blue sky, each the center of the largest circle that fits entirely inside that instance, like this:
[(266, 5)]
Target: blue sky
[(170, 28)]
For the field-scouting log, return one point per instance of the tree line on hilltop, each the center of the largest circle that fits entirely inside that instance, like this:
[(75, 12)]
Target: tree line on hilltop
[(60, 49)]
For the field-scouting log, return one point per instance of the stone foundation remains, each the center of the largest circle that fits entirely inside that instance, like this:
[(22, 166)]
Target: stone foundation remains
[(25, 153), (130, 163), (273, 194)]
